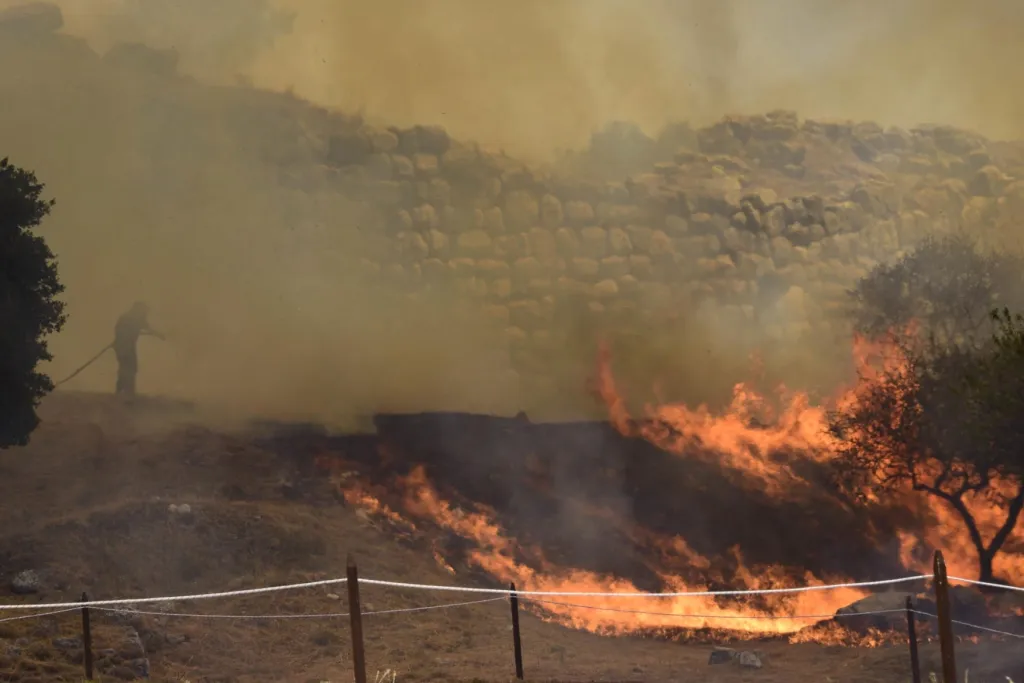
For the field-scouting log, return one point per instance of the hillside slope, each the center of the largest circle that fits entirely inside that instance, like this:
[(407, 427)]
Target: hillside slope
[(86, 505)]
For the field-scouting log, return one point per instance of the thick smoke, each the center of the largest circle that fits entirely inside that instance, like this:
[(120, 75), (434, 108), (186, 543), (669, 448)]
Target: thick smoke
[(162, 197), (536, 75)]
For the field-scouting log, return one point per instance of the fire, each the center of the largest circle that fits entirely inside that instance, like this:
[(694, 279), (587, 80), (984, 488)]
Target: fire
[(749, 436), (757, 437), (498, 555)]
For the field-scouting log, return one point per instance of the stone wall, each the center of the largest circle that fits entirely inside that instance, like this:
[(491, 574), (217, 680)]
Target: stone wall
[(763, 222)]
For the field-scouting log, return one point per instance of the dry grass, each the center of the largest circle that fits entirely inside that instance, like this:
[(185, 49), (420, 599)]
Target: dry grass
[(98, 526)]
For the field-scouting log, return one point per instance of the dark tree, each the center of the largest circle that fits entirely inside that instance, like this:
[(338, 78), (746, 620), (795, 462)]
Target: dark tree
[(949, 422), (946, 287), (29, 309)]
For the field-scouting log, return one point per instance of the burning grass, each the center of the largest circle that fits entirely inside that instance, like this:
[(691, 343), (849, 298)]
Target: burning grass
[(773, 444)]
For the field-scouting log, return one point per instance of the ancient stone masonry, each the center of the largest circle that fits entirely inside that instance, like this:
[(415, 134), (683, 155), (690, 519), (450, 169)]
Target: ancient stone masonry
[(766, 220), (759, 222)]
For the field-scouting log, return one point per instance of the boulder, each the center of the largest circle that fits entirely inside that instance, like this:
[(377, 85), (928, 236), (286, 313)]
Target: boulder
[(26, 582), (989, 181), (348, 149)]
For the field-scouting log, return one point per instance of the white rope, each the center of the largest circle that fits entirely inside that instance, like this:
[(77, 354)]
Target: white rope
[(322, 615), (457, 589), (37, 616), (714, 616), (986, 584), (689, 594), (172, 598), (969, 625)]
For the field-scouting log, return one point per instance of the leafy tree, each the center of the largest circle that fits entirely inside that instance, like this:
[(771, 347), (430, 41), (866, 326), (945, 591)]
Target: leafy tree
[(945, 287), (949, 423), (29, 309)]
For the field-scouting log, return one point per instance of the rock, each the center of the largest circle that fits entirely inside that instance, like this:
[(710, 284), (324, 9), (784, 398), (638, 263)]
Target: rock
[(474, 243), (953, 140), (641, 266), (761, 199), (402, 166), (425, 217), (750, 660), (412, 248), (511, 246), (348, 149), (774, 221), (619, 242), (660, 244), (26, 582), (988, 182), (426, 164), (676, 225), (722, 655), (492, 268), (877, 199), (74, 643), (640, 237), (594, 242), (438, 244), (778, 155), (542, 244), (439, 192), (183, 510), (584, 268), (606, 289), (492, 220), (432, 140), (567, 241), (380, 166), (522, 211), (528, 314), (614, 267), (550, 211), (579, 213), (382, 141)]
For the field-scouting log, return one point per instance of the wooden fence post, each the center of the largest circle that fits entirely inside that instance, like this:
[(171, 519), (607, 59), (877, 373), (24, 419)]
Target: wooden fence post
[(86, 639), (915, 665), (355, 617), (517, 642), (945, 619)]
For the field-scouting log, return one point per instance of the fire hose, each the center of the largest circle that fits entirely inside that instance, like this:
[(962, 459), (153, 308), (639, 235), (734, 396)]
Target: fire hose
[(87, 364)]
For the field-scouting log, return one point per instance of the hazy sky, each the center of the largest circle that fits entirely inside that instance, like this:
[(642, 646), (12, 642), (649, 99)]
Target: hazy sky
[(534, 74)]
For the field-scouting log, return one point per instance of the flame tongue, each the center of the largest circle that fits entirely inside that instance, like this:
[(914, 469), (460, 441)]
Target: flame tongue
[(496, 554), (758, 442), (758, 452)]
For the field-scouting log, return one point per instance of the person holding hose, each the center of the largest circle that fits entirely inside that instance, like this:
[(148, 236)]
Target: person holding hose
[(129, 327)]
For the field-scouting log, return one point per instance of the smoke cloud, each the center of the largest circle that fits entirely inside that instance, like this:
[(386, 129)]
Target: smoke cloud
[(161, 195)]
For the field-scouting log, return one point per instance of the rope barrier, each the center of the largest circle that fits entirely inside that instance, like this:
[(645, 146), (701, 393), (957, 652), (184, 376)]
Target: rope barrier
[(987, 584), (969, 625), (172, 598), (323, 615), (38, 616), (487, 591), (687, 594)]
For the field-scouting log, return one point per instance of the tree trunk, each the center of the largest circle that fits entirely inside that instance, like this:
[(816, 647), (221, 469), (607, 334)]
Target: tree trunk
[(985, 557), (987, 554)]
